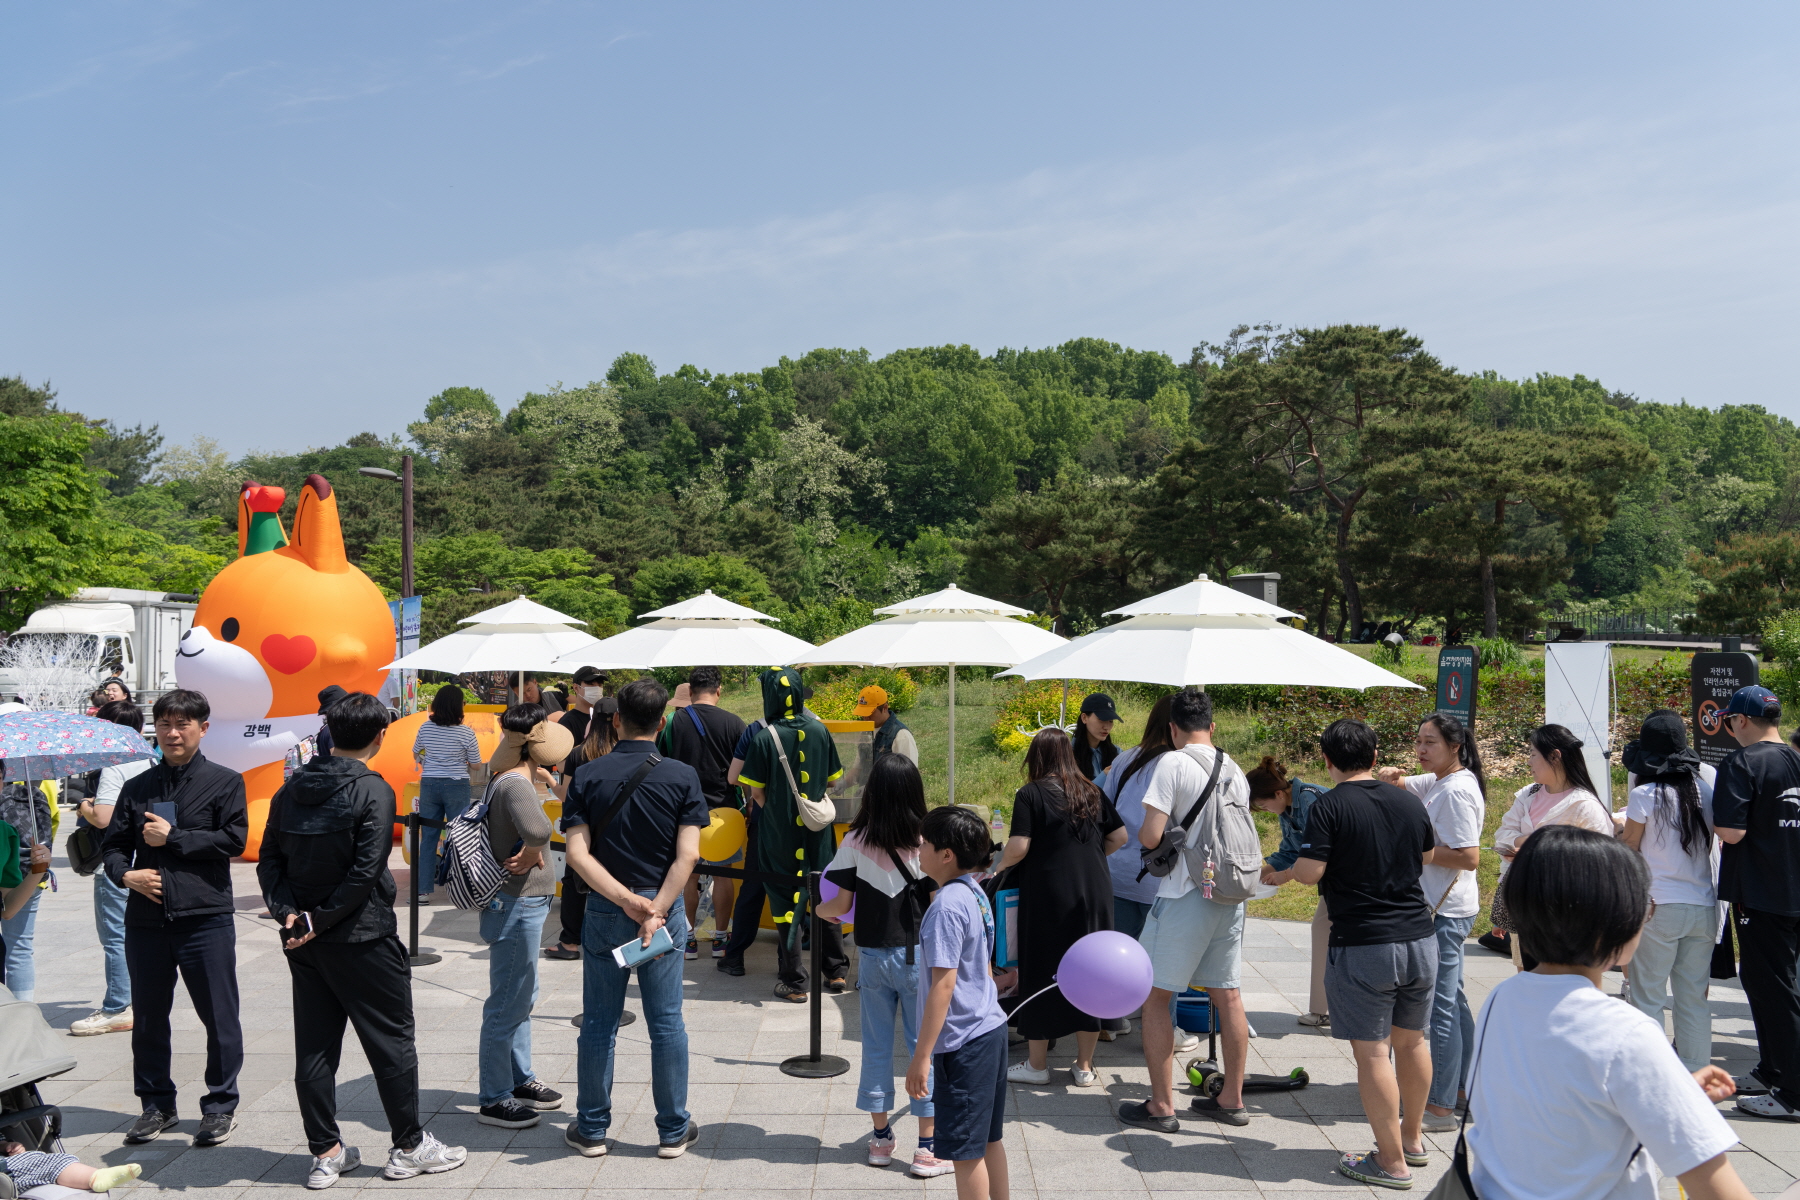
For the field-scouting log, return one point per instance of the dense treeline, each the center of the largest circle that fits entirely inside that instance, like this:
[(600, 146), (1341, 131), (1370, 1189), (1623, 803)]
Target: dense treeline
[(1382, 484)]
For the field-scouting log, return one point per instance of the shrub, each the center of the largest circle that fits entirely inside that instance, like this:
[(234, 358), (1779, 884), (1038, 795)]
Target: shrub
[(1034, 707), (836, 701), (1497, 652)]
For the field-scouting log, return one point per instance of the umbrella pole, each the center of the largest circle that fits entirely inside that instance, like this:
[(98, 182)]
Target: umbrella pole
[(1062, 714), (953, 733)]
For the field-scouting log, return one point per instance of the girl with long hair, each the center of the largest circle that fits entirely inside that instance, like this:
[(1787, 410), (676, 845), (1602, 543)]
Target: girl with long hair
[(1453, 789), (1560, 793), (1668, 820), (1125, 783), (597, 742), (1063, 829), (876, 870), (1272, 789)]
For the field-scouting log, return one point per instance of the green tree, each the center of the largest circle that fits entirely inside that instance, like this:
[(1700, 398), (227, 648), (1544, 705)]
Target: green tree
[(463, 402), (631, 371), (1032, 547), (20, 399), (127, 457), (664, 581), (1311, 402), (52, 537), (1748, 580)]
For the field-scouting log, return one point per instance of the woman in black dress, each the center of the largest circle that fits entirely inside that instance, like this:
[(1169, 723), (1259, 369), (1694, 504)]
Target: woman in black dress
[(1063, 828)]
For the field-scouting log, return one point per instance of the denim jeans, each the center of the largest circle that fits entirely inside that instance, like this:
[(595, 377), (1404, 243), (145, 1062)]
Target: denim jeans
[(21, 967), (884, 982), (1452, 1024), (109, 923), (1675, 955), (603, 998), (512, 926), (439, 799)]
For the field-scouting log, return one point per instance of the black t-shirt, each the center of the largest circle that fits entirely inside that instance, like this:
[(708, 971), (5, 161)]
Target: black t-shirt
[(883, 920), (704, 736), (1758, 791), (638, 847), (576, 722), (1372, 838)]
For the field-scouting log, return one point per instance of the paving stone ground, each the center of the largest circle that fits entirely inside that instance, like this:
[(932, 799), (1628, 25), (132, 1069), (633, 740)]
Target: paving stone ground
[(764, 1134)]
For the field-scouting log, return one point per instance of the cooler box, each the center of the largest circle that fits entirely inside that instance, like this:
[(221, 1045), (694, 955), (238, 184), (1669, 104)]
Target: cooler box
[(1193, 1011)]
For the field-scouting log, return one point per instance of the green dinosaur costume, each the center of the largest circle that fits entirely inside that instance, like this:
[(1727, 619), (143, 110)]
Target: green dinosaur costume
[(785, 846)]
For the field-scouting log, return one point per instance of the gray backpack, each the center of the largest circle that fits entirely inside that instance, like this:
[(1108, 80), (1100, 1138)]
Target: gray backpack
[(1223, 850)]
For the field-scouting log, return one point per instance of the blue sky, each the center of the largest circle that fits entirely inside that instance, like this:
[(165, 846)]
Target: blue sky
[(281, 224)]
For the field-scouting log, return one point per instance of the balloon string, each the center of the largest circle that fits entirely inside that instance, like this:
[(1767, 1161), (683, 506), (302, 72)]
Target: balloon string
[(1027, 1000)]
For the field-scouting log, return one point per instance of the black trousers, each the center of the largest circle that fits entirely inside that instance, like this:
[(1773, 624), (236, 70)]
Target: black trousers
[(1769, 947), (203, 952), (793, 960), (368, 984), (746, 910), (572, 906)]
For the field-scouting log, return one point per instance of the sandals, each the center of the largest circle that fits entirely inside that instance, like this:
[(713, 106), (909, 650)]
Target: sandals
[(1364, 1169)]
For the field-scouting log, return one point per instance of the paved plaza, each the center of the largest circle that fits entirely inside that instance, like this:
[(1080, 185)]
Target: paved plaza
[(763, 1133)]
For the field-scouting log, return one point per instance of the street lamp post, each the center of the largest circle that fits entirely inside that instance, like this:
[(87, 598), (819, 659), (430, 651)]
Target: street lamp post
[(414, 821)]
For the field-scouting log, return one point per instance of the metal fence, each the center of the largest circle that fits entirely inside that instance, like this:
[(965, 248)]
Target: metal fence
[(1656, 625)]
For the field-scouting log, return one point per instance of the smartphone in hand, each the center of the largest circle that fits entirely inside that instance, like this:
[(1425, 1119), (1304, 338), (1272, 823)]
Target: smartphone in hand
[(635, 952), (164, 809), (303, 925)]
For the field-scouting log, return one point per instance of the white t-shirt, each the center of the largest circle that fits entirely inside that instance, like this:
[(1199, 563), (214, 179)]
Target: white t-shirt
[(1175, 786), (1457, 814), (113, 778), (1675, 877), (1568, 1081)]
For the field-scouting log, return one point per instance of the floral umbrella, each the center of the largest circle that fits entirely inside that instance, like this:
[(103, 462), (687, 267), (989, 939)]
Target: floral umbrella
[(49, 745)]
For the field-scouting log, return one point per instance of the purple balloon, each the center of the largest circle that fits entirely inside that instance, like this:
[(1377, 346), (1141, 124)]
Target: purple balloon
[(827, 890), (1105, 975)]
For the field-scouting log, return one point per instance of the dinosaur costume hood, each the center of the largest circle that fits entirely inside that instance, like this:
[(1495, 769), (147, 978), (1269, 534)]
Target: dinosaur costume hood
[(784, 697)]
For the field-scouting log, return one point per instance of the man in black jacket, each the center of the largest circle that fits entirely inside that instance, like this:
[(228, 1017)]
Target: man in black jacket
[(173, 835), (324, 873)]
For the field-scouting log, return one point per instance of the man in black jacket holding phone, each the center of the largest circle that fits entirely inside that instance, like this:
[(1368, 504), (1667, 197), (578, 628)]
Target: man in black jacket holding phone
[(173, 835), (324, 873)]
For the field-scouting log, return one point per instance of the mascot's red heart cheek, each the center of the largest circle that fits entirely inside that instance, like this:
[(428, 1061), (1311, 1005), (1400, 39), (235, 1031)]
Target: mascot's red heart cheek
[(288, 654)]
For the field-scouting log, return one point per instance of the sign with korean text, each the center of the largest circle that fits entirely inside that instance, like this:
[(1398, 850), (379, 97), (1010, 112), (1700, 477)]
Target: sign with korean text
[(1713, 677), (1458, 673)]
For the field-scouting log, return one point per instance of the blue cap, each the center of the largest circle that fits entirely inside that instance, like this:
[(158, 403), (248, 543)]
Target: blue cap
[(1755, 701)]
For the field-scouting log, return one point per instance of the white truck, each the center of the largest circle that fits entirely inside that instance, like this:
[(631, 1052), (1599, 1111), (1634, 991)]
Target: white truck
[(74, 646)]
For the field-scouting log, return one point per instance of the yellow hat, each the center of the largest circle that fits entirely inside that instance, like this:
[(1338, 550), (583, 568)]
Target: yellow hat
[(870, 699)]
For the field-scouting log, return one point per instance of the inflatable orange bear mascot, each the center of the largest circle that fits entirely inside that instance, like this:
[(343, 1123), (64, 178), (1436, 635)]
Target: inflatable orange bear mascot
[(275, 627)]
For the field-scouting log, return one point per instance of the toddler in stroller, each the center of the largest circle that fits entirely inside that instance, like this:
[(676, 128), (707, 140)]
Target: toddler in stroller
[(30, 1130)]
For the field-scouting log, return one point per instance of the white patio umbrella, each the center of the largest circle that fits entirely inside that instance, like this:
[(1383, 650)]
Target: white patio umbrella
[(703, 630), (520, 635), (950, 628), (1205, 633)]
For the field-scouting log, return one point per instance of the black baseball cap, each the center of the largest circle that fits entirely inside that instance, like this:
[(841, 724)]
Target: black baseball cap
[(1101, 705)]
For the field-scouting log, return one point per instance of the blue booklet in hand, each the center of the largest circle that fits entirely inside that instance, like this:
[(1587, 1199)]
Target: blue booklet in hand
[(634, 952)]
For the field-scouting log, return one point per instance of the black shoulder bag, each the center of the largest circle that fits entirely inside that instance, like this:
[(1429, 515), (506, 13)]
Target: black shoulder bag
[(1160, 859)]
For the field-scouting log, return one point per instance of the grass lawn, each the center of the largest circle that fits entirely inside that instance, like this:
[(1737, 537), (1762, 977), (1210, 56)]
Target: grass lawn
[(987, 778)]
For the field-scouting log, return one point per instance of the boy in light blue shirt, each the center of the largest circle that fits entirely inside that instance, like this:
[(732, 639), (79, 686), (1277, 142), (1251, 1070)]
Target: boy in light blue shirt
[(962, 1028)]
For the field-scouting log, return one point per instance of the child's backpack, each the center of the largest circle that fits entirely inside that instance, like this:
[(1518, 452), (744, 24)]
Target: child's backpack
[(466, 862), (1224, 853)]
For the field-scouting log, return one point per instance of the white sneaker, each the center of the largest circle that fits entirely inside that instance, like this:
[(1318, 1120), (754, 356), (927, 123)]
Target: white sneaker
[(429, 1157), (325, 1171), (1083, 1078), (1021, 1072), (102, 1022), (1187, 1043)]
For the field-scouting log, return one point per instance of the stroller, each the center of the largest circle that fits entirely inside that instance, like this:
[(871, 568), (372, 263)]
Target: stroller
[(30, 1052)]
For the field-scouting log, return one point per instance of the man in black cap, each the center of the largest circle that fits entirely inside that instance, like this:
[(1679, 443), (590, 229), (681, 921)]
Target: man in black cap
[(1756, 812), (329, 695), (1092, 739)]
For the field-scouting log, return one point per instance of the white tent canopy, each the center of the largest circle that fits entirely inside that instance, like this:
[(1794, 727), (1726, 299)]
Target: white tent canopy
[(520, 635), (1203, 633), (948, 628), (703, 630)]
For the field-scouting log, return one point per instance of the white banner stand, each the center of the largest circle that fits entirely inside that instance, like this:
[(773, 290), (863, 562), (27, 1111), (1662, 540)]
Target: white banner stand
[(1578, 694)]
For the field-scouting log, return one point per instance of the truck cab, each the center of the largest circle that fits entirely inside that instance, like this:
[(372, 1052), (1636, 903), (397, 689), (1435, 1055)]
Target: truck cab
[(66, 650)]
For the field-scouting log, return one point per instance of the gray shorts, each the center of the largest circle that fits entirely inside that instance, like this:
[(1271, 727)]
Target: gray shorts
[(1375, 988)]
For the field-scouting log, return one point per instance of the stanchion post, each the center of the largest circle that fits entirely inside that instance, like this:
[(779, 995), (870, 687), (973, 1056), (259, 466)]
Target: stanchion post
[(413, 954), (816, 1064)]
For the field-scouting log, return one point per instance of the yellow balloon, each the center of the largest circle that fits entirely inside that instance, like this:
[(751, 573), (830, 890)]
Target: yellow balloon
[(724, 837)]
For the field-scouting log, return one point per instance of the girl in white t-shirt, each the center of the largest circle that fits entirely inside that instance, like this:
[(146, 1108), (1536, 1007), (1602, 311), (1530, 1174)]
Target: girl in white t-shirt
[(1668, 819), (1575, 1096)]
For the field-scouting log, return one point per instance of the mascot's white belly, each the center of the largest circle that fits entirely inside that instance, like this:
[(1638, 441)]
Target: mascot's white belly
[(242, 736)]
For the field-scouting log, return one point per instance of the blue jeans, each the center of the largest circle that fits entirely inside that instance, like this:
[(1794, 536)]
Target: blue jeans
[(109, 923), (512, 926), (1452, 1024), (603, 999), (21, 968), (885, 982), (439, 799)]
